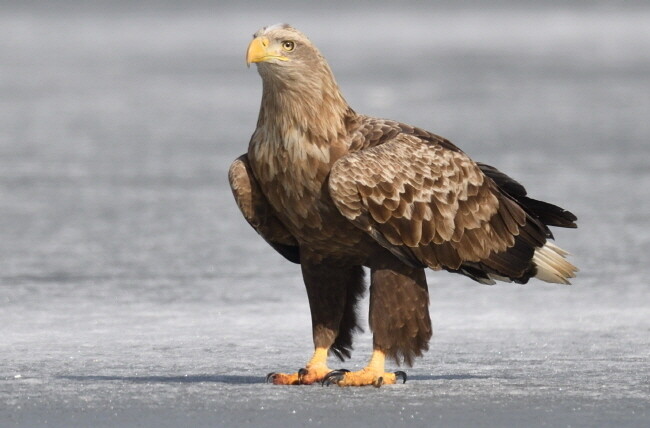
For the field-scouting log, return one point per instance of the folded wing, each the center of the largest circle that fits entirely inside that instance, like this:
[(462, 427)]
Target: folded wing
[(257, 211), (430, 204)]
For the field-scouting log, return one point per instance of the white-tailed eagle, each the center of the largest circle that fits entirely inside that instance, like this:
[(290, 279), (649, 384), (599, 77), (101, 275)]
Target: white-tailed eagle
[(334, 191)]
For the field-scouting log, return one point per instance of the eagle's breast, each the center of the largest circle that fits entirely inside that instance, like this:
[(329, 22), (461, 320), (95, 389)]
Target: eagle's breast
[(291, 170)]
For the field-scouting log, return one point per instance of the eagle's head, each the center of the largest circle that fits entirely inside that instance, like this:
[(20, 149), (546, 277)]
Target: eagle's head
[(283, 53), (299, 89)]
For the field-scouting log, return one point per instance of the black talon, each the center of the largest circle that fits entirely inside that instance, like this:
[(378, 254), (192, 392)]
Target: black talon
[(301, 373), (400, 374), (379, 382), (334, 377), (270, 376)]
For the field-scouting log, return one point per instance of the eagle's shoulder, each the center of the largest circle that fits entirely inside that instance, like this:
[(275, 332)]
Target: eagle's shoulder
[(367, 132)]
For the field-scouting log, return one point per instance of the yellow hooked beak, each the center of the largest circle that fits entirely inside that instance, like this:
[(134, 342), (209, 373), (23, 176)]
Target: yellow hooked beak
[(260, 50)]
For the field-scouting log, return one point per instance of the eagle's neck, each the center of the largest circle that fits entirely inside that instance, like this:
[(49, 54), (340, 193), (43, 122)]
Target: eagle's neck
[(311, 105), (301, 131)]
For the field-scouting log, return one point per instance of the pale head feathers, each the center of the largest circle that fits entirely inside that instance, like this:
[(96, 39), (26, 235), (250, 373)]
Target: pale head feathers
[(270, 28), (299, 92)]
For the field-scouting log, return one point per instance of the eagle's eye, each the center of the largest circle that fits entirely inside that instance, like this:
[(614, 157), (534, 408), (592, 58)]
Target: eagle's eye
[(288, 45)]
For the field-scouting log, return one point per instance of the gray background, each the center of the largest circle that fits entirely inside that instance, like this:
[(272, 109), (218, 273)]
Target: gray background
[(132, 292)]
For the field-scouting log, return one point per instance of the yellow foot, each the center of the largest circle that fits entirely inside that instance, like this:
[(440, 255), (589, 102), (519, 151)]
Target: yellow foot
[(305, 376), (363, 377)]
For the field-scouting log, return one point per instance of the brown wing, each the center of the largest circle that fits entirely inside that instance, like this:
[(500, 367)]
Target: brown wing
[(428, 203), (548, 214), (257, 210)]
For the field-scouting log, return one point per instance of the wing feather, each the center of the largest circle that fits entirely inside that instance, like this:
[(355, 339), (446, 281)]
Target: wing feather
[(423, 199), (427, 202), (257, 211)]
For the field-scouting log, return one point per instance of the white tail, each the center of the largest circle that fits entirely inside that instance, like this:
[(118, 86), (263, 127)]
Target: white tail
[(552, 265)]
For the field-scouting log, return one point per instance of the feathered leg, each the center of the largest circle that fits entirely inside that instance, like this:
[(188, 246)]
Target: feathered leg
[(399, 319), (333, 293)]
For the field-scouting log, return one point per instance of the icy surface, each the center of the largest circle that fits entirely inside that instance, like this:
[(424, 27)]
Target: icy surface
[(132, 293)]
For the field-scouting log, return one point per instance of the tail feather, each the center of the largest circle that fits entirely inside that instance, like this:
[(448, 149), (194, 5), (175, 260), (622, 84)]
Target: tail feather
[(551, 264)]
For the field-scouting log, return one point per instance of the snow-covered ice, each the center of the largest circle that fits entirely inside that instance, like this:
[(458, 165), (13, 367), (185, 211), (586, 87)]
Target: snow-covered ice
[(132, 293)]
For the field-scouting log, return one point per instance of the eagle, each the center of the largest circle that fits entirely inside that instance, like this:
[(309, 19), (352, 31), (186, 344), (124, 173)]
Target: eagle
[(336, 192)]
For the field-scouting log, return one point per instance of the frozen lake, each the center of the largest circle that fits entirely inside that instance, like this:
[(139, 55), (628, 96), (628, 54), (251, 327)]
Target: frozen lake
[(133, 293)]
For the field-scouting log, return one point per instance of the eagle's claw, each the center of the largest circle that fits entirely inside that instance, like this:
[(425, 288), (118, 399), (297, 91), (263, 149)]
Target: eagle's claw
[(302, 373), (334, 377), (400, 374), (270, 376)]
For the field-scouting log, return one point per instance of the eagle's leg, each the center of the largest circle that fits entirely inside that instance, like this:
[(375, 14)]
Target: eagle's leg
[(333, 291), (399, 319)]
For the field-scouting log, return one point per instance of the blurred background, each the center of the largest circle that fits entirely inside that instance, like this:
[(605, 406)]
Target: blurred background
[(122, 252)]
